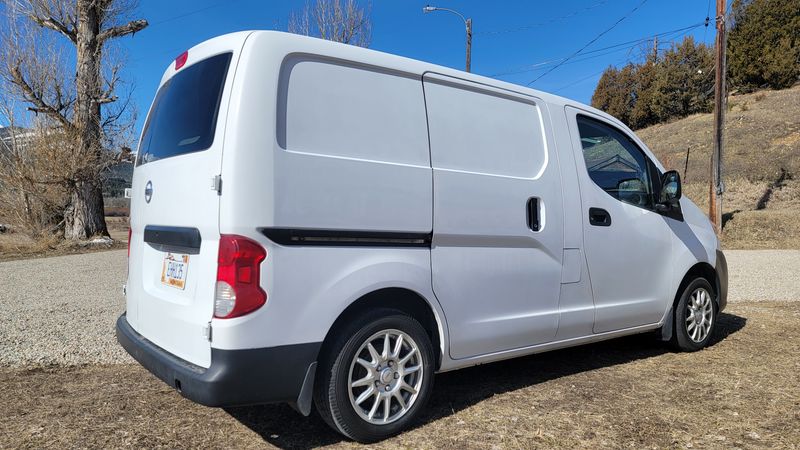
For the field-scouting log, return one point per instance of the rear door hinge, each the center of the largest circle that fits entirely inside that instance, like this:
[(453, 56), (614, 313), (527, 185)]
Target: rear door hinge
[(216, 184), (207, 331)]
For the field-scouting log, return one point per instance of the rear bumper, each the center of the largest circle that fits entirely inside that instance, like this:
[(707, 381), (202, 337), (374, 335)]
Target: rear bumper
[(235, 378)]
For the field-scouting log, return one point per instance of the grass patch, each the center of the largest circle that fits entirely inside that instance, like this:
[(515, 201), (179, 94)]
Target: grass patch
[(743, 391)]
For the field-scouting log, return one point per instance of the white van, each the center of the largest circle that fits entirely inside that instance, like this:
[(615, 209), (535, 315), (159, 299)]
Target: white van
[(321, 224)]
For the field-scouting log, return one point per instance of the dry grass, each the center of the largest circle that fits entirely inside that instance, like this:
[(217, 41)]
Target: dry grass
[(743, 391), (746, 227), (758, 142), (766, 229), (19, 246), (762, 138)]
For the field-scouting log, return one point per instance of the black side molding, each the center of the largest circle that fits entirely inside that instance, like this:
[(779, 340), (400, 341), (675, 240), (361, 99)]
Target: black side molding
[(346, 238), (180, 237)]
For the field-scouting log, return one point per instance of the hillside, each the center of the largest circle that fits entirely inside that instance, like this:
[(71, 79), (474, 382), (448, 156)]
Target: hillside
[(761, 165)]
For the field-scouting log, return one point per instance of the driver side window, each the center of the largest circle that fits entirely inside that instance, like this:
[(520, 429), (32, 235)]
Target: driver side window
[(615, 163)]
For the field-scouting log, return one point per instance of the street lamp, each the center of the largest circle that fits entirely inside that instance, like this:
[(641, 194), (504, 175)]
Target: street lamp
[(467, 22)]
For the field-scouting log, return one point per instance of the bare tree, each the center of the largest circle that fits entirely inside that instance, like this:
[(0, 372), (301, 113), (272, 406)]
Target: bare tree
[(32, 197), (76, 106), (335, 20)]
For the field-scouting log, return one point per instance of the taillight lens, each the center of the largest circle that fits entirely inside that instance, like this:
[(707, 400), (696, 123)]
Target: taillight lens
[(238, 290), (130, 233), (180, 61)]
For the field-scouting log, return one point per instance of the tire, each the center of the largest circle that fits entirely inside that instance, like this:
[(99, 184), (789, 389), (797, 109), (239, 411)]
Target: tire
[(695, 316), (359, 412)]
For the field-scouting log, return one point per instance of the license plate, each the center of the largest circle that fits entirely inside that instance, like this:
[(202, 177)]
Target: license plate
[(173, 273)]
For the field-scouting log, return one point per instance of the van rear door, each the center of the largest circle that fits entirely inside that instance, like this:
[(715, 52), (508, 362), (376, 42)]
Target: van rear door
[(175, 206)]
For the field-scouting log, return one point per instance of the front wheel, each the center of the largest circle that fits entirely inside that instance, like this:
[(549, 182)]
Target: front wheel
[(376, 376), (695, 316)]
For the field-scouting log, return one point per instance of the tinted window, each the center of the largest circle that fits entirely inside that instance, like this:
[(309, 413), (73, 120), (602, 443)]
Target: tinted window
[(184, 115), (615, 163)]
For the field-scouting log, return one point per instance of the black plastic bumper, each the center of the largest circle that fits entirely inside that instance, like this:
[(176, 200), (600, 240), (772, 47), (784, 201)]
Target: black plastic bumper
[(235, 378), (722, 275)]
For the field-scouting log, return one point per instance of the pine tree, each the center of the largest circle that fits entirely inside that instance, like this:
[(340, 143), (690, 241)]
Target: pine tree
[(642, 114), (615, 92), (683, 83), (764, 44)]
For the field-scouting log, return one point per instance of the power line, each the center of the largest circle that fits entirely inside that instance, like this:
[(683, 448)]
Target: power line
[(535, 25), (536, 66), (583, 79), (191, 13), (543, 65), (590, 42), (621, 62), (592, 55), (177, 17)]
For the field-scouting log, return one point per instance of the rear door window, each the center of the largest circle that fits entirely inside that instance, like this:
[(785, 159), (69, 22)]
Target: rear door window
[(183, 118)]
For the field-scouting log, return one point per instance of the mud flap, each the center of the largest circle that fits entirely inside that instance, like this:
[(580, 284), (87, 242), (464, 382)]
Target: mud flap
[(306, 397), (666, 329)]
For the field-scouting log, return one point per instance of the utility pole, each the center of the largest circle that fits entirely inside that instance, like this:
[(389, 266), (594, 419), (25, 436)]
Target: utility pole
[(717, 187), (655, 49), (469, 44)]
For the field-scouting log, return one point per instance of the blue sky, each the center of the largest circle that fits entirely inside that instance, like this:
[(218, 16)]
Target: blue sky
[(509, 36)]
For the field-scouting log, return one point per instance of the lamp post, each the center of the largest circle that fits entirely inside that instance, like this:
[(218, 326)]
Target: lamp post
[(467, 23)]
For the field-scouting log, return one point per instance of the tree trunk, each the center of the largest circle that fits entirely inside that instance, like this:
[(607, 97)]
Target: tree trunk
[(84, 216)]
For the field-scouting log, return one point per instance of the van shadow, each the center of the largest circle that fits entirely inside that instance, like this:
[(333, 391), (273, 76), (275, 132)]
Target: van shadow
[(281, 426)]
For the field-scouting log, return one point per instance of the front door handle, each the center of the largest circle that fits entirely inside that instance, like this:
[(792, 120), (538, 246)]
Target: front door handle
[(599, 217)]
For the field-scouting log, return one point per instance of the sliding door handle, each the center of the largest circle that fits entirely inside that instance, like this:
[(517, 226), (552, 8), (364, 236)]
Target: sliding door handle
[(599, 217), (532, 212)]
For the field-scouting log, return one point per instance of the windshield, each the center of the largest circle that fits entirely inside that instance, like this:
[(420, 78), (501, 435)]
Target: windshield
[(184, 114)]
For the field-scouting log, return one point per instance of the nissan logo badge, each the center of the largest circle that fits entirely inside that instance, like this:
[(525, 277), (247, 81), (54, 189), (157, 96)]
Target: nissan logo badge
[(148, 191)]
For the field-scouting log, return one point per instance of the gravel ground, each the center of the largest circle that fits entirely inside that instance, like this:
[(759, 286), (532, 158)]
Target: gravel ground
[(757, 275), (62, 310)]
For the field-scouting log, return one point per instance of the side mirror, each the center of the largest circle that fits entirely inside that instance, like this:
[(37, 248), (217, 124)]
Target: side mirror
[(670, 188), (631, 185)]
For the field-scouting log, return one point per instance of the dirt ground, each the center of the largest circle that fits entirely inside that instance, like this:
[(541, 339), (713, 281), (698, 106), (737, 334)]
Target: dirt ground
[(19, 246), (742, 392)]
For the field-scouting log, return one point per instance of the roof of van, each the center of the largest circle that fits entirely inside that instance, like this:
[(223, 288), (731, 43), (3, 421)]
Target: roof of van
[(390, 61)]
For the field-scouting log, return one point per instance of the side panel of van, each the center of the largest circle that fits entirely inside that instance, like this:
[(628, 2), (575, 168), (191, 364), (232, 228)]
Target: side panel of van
[(354, 150), (498, 220), (327, 167)]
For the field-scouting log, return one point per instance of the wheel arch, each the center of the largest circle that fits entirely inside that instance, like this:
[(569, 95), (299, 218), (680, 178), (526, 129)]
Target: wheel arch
[(699, 270), (402, 299)]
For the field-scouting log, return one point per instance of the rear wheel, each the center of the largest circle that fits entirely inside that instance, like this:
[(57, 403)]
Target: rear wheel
[(695, 316), (376, 377)]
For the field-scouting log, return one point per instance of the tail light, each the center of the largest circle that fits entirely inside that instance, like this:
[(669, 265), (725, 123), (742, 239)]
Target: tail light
[(238, 290), (130, 232), (180, 61)]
